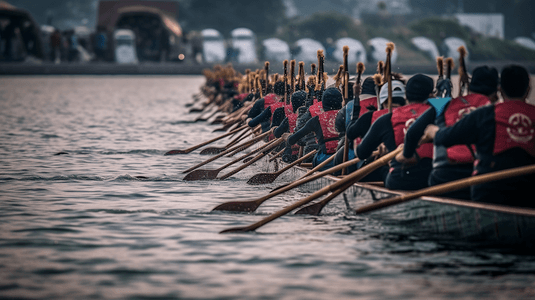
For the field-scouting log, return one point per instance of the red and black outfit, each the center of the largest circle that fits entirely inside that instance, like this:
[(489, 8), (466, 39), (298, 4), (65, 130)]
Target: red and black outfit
[(390, 129), (451, 163), (504, 137)]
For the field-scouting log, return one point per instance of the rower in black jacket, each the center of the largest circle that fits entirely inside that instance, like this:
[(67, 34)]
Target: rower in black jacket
[(322, 125), (261, 111), (504, 136), (359, 127), (455, 162), (390, 130), (286, 120)]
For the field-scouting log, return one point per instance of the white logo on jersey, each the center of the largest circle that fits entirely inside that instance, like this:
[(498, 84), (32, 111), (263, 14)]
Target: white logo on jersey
[(520, 130)]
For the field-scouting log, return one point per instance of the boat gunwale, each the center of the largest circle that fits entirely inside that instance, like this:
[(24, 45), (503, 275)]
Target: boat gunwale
[(518, 211)]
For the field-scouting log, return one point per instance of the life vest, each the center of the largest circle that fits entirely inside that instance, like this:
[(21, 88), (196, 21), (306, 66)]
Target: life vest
[(367, 103), (515, 127), (269, 99), (315, 109), (292, 117), (402, 118), (242, 97), (456, 110), (292, 122), (330, 135)]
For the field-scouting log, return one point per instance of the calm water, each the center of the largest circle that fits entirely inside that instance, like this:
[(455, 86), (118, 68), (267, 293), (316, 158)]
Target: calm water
[(83, 226)]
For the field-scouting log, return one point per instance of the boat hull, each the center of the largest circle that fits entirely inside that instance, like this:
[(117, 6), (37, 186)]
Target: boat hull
[(452, 220)]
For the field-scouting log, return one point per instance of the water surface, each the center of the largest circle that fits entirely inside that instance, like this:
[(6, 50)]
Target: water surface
[(82, 225)]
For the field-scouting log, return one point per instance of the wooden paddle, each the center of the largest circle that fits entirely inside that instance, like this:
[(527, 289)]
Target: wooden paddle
[(449, 187), (174, 152), (264, 178), (212, 174), (315, 209), (351, 178), (318, 167), (216, 150), (265, 151), (239, 147), (360, 70), (277, 155), (252, 205)]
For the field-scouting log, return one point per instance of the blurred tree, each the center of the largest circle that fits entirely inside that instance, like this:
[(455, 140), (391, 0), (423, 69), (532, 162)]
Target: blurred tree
[(262, 17)]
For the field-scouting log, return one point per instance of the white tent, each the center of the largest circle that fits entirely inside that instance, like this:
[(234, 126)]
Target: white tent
[(307, 50), (213, 46), (450, 46), (526, 42), (356, 53), (378, 49), (426, 45), (244, 40), (276, 50)]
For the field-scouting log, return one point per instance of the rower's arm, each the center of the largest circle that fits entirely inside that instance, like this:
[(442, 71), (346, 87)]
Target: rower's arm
[(340, 121), (476, 128), (359, 127), (258, 107), (284, 126), (375, 136), (416, 131), (310, 126), (278, 116), (263, 117)]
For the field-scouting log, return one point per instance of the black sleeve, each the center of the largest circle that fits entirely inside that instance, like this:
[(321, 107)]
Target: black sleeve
[(416, 131), (284, 127), (310, 126), (278, 116), (356, 110), (360, 126), (477, 128), (257, 108), (375, 136), (261, 118), (340, 121)]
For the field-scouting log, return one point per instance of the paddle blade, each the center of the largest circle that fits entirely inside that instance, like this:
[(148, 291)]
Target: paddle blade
[(262, 178), (201, 175), (211, 150), (236, 229), (238, 206), (175, 152), (312, 209)]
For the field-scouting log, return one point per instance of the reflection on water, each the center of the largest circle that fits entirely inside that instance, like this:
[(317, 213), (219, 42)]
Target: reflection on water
[(111, 218)]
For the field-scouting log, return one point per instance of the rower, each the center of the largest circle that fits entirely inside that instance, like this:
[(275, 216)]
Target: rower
[(454, 162), (261, 111), (390, 130), (288, 123), (322, 125), (360, 127), (308, 142), (504, 136)]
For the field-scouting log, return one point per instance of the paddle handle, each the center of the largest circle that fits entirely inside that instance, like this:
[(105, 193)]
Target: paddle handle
[(296, 162), (256, 158), (449, 187), (347, 181), (318, 167), (241, 146), (277, 155), (215, 139)]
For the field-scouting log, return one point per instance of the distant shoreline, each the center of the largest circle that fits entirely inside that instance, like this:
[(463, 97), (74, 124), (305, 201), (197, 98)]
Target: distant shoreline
[(196, 69)]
